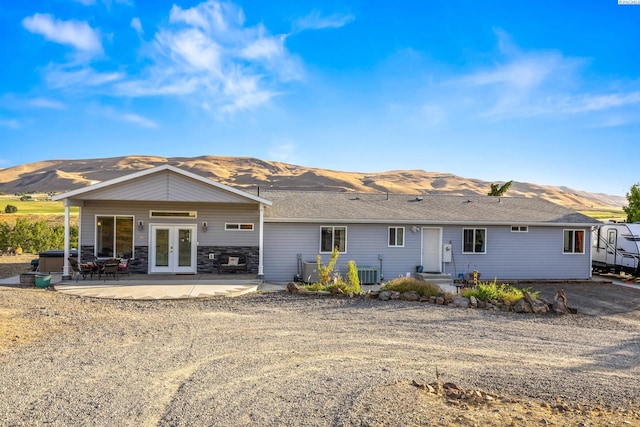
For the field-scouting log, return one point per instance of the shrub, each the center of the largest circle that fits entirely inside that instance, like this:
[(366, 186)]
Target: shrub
[(352, 277), (325, 271), (486, 291), (406, 284), (10, 209)]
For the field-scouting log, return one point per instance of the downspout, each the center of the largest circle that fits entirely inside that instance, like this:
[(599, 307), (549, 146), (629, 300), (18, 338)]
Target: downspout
[(65, 268), (261, 243)]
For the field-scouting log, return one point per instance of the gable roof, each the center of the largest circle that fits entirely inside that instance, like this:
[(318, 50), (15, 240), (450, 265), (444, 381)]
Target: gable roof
[(321, 206), (162, 183)]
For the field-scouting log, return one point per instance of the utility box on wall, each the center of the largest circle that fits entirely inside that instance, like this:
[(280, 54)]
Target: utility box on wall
[(447, 252)]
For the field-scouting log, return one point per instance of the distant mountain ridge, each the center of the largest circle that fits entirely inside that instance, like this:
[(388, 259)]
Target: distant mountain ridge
[(247, 172)]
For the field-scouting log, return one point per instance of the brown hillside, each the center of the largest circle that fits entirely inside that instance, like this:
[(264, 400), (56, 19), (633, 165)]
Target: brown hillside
[(63, 175)]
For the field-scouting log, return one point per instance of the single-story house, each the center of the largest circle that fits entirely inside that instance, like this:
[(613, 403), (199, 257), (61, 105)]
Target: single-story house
[(168, 220)]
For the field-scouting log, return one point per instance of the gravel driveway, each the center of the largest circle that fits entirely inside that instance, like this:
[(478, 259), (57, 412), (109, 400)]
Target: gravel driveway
[(275, 359)]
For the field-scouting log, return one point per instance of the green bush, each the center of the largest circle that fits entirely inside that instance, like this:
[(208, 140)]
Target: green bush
[(406, 284), (326, 274), (10, 209), (487, 291), (35, 237)]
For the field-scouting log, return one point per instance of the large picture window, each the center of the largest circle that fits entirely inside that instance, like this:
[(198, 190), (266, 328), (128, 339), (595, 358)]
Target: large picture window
[(573, 242), (114, 236), (396, 236), (333, 237), (474, 240)]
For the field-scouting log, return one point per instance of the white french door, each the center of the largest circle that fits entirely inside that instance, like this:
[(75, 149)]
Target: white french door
[(173, 248)]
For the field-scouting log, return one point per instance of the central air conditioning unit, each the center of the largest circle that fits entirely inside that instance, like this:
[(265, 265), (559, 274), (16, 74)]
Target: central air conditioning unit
[(310, 272), (369, 275)]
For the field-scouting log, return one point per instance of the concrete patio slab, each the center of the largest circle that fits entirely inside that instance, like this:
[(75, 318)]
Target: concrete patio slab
[(145, 287)]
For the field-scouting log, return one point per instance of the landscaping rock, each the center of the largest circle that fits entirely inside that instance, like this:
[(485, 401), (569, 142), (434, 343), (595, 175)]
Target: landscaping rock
[(395, 295), (440, 300), (560, 304), (410, 296), (292, 288), (473, 302), (384, 296), (522, 307), (460, 301), (537, 306)]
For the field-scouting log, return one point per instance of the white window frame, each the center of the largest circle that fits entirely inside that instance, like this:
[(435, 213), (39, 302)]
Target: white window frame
[(333, 228), (475, 230), (519, 229), (239, 226), (572, 250), (395, 245)]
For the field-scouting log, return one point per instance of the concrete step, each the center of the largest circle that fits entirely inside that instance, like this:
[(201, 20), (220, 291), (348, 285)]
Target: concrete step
[(436, 278)]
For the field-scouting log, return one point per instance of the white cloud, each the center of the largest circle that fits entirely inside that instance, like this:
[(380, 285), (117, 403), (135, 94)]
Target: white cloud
[(208, 53), (535, 83), (315, 21), (139, 120), (86, 2), (9, 123), (47, 103), (69, 76), (77, 34), (137, 25), (284, 151)]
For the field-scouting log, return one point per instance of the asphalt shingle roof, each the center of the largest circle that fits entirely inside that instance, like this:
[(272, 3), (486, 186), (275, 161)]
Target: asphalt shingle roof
[(299, 206)]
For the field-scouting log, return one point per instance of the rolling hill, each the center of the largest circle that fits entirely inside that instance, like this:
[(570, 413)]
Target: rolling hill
[(55, 176)]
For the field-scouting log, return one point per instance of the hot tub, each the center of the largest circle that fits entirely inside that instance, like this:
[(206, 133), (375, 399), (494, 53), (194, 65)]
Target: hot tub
[(52, 261)]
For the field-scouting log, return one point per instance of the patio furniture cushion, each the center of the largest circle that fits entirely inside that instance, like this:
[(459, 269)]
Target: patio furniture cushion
[(232, 262)]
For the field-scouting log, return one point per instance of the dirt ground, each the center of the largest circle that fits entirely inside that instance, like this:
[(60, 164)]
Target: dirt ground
[(17, 330)]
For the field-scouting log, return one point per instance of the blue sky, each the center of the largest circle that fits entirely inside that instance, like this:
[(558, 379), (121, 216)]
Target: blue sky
[(542, 92)]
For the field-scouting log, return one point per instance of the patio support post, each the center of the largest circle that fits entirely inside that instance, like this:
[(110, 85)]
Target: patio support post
[(65, 268), (261, 242)]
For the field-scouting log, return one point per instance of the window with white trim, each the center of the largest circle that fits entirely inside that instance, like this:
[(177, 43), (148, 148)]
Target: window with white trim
[(333, 237), (519, 229), (173, 214), (114, 236), (474, 240), (396, 236), (235, 226), (573, 242)]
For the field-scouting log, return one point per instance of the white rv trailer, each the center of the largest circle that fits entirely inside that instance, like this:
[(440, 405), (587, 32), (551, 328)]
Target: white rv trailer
[(616, 248)]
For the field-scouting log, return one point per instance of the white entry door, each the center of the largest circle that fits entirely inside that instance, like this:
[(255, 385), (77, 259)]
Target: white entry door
[(431, 250), (173, 249)]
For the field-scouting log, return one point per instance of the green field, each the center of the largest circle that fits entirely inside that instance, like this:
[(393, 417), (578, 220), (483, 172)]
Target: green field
[(39, 208), (607, 215)]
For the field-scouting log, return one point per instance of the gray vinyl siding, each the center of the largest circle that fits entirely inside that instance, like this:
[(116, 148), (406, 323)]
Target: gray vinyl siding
[(216, 215), (164, 187), (536, 254), (283, 241)]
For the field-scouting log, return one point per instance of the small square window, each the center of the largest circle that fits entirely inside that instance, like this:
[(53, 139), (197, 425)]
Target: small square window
[(519, 229), (396, 236), (474, 240), (573, 242)]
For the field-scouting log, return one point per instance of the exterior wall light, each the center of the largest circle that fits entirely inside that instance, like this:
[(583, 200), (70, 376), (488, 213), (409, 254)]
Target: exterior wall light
[(204, 226), (140, 225)]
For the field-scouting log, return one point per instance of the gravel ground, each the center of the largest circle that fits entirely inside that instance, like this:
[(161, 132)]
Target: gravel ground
[(274, 359)]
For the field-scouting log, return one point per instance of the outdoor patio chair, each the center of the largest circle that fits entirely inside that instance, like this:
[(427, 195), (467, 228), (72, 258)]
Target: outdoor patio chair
[(80, 269), (110, 268), (123, 266)]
